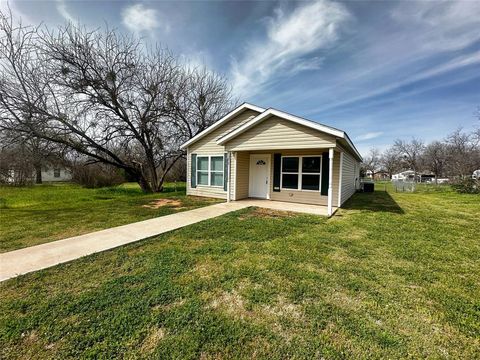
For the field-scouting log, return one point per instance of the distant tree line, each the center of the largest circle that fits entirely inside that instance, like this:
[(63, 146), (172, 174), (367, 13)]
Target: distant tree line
[(456, 156), (103, 97)]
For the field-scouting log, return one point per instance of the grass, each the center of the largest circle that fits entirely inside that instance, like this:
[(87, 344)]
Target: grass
[(42, 213), (392, 275)]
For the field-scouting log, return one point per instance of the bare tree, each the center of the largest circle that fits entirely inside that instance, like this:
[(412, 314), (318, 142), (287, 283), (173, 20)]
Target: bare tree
[(463, 153), (410, 153), (372, 161), (101, 95), (435, 158), (390, 161)]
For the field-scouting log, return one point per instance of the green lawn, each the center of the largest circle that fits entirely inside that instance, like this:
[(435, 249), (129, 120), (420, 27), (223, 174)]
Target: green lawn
[(43, 213), (393, 275)]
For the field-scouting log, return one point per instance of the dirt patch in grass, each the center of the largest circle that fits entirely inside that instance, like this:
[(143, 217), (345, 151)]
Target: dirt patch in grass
[(153, 338), (266, 214), (232, 303), (284, 308), (158, 203)]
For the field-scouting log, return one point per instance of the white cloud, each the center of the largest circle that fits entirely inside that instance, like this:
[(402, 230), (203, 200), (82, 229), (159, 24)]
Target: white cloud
[(369, 135), (290, 39), (63, 10), (440, 25), (139, 18), (10, 5)]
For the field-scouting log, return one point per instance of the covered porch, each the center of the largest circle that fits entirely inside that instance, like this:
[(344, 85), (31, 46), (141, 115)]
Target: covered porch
[(300, 180)]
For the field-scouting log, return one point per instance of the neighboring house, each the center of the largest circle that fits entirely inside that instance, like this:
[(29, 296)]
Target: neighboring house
[(379, 175), (407, 175), (269, 154), (56, 173)]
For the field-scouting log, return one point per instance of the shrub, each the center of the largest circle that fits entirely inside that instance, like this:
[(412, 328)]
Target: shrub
[(97, 175), (467, 186)]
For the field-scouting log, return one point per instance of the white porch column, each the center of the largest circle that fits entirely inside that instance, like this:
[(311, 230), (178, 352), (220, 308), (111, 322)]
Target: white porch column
[(330, 182), (229, 171)]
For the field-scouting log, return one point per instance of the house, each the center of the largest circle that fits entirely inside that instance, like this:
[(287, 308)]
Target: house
[(407, 175), (56, 173), (254, 152), (378, 176), (50, 173)]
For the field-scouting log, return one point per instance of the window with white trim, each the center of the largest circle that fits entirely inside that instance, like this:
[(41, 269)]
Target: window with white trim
[(301, 173), (210, 170)]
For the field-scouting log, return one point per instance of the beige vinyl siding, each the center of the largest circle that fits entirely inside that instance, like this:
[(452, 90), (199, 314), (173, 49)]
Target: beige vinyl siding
[(242, 174), (348, 177), (208, 145), (276, 133)]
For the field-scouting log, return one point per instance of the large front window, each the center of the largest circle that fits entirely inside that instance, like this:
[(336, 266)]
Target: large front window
[(301, 172), (210, 170)]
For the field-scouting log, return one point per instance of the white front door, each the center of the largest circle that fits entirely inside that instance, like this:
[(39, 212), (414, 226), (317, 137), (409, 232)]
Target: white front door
[(259, 176)]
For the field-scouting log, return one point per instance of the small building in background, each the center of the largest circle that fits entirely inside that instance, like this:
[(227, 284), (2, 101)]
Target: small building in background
[(56, 173)]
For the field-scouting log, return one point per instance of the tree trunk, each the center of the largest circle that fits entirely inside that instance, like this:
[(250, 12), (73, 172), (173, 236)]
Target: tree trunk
[(144, 184), (38, 174)]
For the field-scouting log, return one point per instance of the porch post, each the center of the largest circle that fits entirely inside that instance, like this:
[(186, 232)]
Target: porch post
[(229, 167), (330, 182)]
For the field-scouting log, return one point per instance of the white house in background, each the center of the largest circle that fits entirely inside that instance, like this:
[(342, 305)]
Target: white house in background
[(407, 175), (270, 154), (56, 173)]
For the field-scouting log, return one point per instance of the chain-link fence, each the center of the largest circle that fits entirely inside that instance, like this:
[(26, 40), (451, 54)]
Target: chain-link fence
[(403, 186)]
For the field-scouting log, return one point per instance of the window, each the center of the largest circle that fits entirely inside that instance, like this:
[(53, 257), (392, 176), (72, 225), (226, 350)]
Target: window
[(56, 173), (290, 172), (216, 171), (311, 173), (210, 170), (301, 172)]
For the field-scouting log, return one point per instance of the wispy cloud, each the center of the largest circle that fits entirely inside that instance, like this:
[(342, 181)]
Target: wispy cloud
[(10, 5), (369, 135), (440, 25), (454, 64), (139, 18), (63, 10), (291, 39)]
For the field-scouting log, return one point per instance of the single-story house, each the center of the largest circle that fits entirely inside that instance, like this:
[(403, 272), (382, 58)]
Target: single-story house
[(254, 152), (56, 173), (407, 175)]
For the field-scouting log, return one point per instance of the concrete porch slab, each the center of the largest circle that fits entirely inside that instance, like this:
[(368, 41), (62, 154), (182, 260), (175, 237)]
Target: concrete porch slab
[(287, 206)]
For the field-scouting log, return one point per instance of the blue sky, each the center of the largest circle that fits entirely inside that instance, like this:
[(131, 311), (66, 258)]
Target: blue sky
[(379, 70)]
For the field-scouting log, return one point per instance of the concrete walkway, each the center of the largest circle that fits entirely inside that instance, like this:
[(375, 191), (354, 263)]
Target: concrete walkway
[(42, 256)]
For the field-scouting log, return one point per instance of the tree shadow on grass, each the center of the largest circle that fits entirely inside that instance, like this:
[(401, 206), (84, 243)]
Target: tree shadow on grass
[(379, 201)]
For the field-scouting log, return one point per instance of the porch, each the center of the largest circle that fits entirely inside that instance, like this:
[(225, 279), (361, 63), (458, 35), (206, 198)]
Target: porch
[(301, 180)]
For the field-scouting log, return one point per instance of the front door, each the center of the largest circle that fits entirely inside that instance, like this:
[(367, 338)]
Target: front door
[(259, 176)]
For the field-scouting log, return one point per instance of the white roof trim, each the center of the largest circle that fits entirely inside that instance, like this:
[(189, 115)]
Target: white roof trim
[(273, 112), (220, 122)]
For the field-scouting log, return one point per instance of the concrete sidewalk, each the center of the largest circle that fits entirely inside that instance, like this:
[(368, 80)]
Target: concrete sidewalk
[(39, 257)]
